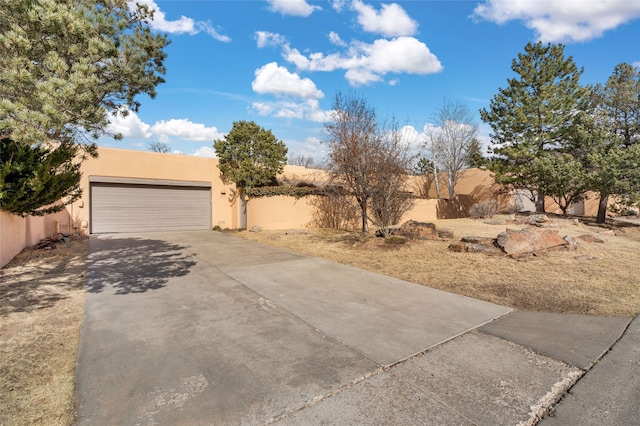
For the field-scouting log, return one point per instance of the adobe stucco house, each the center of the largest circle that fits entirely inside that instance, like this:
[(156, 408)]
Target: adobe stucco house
[(138, 191)]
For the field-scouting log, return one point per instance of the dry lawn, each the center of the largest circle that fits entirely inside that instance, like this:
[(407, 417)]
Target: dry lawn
[(597, 279), (41, 305)]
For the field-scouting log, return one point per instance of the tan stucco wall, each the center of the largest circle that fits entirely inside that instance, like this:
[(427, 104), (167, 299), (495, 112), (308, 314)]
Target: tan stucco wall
[(424, 210), (477, 182), (16, 232), (296, 174), (279, 212), (151, 165)]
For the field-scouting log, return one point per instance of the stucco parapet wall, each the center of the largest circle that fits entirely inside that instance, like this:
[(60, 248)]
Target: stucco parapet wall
[(139, 181), (296, 174)]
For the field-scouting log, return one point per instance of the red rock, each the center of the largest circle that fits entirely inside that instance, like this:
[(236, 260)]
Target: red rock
[(528, 240), (445, 233), (590, 238), (489, 249), (418, 230), (458, 247)]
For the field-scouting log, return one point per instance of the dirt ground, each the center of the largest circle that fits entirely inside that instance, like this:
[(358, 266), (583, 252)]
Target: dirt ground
[(41, 305), (596, 279)]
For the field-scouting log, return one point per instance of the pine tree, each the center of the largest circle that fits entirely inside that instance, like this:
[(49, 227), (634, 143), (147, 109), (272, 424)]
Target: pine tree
[(35, 180), (612, 146), (250, 156), (534, 116), (476, 158), (65, 67)]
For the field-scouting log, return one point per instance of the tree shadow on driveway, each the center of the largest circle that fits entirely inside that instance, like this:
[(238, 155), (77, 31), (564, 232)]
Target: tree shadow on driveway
[(134, 265)]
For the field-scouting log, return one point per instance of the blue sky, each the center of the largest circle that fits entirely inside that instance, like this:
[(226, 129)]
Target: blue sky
[(280, 63)]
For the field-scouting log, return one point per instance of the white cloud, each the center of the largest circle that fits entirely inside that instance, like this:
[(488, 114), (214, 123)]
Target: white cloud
[(184, 25), (292, 7), (184, 129), (309, 147), (266, 38), (338, 5), (302, 110), (130, 126), (561, 21), (411, 136), (263, 108), (334, 38), (278, 81), (402, 54), (209, 29), (315, 114), (164, 131), (204, 151), (368, 63), (362, 77), (636, 64), (419, 139), (390, 21)]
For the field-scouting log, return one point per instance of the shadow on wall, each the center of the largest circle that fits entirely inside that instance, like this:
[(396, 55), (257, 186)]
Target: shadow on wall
[(454, 208), (134, 265), (458, 206)]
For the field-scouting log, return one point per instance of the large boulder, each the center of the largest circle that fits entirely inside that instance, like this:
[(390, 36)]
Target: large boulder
[(528, 240), (590, 238), (534, 219), (489, 249), (472, 244), (418, 230)]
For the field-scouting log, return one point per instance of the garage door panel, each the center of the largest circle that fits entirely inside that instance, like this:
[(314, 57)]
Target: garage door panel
[(140, 208)]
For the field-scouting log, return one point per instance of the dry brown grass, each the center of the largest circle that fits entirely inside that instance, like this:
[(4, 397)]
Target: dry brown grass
[(605, 284), (41, 305)]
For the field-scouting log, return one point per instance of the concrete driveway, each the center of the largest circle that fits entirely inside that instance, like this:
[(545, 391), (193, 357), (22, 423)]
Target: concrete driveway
[(203, 328)]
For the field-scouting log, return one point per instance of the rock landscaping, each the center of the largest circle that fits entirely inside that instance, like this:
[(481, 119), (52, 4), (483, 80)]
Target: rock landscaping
[(414, 230), (518, 243), (52, 241)]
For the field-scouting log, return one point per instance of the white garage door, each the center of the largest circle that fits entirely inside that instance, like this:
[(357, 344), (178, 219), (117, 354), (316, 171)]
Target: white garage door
[(137, 205)]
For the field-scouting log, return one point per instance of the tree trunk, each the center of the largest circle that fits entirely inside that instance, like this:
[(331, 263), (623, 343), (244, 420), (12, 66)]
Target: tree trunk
[(540, 203), (365, 221), (242, 209), (602, 208), (451, 185), (435, 177)]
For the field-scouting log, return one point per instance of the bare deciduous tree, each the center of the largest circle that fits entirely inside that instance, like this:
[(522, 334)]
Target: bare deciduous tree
[(160, 147), (427, 174), (390, 198), (366, 160), (334, 209), (451, 139), (352, 135), (304, 161)]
